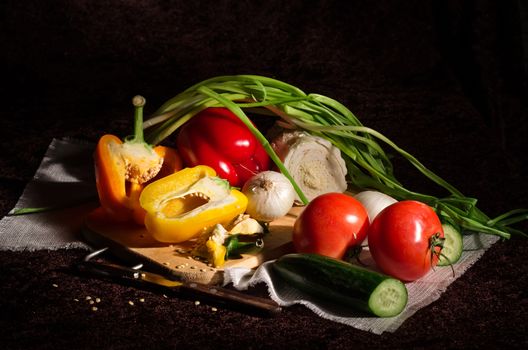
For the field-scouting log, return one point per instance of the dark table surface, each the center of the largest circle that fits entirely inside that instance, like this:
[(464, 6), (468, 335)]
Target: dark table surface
[(445, 80)]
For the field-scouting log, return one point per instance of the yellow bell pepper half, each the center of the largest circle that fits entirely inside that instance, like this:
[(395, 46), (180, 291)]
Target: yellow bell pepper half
[(189, 203)]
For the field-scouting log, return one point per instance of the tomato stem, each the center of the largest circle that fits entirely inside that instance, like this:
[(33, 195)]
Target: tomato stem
[(435, 241), (353, 253)]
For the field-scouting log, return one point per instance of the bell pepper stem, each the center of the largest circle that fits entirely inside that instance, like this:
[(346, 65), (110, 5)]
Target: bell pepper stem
[(138, 102), (261, 138), (235, 247)]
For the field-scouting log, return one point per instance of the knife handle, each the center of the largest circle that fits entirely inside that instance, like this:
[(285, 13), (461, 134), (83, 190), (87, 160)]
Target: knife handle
[(230, 297)]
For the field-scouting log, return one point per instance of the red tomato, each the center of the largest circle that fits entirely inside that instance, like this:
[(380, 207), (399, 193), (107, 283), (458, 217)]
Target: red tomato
[(402, 240), (330, 224)]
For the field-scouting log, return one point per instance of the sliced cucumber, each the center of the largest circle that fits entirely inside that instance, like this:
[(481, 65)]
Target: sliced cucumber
[(344, 283), (453, 246)]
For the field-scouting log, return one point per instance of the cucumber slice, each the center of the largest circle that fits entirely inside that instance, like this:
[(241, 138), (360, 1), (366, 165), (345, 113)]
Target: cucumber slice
[(453, 246), (344, 283)]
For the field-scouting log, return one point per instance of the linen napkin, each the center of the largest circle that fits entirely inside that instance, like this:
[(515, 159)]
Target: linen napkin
[(65, 183), (420, 293)]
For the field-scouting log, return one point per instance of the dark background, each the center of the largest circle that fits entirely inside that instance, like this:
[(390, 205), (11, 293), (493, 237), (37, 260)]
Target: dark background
[(445, 80)]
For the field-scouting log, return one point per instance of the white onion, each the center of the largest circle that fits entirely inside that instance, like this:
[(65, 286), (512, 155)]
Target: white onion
[(270, 196), (374, 202)]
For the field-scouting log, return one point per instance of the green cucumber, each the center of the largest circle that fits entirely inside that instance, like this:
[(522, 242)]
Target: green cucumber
[(344, 283), (453, 246)]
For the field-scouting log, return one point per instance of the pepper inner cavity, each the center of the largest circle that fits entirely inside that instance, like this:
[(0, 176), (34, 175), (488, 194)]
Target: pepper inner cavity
[(184, 204)]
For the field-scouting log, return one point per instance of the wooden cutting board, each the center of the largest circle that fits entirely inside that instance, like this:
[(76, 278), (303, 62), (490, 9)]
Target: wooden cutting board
[(134, 244)]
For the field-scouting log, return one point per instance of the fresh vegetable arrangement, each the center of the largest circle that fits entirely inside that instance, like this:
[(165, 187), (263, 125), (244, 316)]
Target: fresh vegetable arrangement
[(367, 162), (321, 150)]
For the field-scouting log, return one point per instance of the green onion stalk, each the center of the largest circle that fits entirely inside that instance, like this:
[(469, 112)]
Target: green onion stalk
[(362, 148)]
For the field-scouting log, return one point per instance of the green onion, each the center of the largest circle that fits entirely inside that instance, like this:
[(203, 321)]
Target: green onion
[(38, 210), (362, 147)]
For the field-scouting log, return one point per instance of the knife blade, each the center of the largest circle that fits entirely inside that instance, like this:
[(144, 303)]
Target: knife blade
[(213, 294)]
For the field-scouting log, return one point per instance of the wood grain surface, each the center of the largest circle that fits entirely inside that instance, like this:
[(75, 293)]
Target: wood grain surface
[(134, 244)]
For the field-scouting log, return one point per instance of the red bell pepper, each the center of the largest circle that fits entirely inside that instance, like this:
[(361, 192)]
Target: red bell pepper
[(218, 138)]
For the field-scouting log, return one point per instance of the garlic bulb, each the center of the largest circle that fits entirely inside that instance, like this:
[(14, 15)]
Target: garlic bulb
[(270, 196)]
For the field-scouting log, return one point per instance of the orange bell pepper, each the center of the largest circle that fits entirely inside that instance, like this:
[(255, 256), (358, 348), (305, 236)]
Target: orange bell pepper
[(123, 168)]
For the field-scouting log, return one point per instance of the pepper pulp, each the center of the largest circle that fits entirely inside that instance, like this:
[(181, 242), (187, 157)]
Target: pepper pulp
[(123, 168)]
